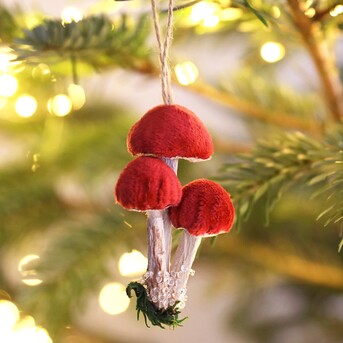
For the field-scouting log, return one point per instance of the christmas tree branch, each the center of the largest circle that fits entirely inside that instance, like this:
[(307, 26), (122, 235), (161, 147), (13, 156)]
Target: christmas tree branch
[(292, 265), (252, 110), (327, 71), (72, 267), (275, 164)]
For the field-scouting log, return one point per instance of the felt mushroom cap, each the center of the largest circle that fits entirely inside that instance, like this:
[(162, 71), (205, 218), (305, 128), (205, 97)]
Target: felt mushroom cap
[(205, 209), (170, 131), (147, 183)]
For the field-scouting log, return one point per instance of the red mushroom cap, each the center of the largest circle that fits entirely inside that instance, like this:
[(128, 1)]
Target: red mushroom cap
[(205, 209), (147, 183), (170, 131)]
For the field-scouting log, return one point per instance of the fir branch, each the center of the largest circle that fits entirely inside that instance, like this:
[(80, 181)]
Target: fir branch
[(292, 264), (72, 268), (255, 12), (326, 68), (275, 165), (255, 111), (119, 43)]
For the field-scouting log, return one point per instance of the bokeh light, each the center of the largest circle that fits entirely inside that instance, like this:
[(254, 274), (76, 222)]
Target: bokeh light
[(71, 14), (133, 263), (231, 13), (8, 85), (41, 71), (276, 13), (272, 52), (310, 12), (60, 105), (26, 106), (28, 273), (9, 315), (205, 13), (30, 334), (77, 96), (338, 9), (186, 73), (113, 298)]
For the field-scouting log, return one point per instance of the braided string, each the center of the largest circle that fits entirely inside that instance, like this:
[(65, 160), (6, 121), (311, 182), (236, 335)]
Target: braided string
[(164, 49)]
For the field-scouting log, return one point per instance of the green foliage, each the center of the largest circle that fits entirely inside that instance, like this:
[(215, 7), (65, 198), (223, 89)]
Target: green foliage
[(122, 42), (9, 27), (282, 161), (257, 13), (156, 317), (278, 99), (71, 269)]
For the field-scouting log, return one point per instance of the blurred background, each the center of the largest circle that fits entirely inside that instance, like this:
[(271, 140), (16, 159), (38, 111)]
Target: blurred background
[(264, 77)]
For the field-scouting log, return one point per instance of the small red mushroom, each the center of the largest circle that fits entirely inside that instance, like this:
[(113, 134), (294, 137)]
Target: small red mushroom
[(148, 184), (205, 210)]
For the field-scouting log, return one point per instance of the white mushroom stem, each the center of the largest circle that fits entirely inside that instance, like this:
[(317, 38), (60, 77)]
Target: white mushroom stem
[(173, 164), (182, 264), (156, 242), (158, 276)]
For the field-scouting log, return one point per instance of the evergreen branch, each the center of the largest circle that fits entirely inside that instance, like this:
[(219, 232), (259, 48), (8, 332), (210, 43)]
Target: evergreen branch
[(288, 159), (326, 68), (84, 39), (255, 12), (269, 255), (71, 269), (255, 111), (9, 27)]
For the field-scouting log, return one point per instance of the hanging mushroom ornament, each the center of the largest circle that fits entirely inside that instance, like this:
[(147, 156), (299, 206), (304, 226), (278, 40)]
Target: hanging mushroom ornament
[(148, 184), (170, 132), (205, 210)]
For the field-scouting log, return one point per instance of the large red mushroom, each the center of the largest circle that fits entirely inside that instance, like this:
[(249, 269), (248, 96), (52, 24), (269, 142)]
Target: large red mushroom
[(170, 131)]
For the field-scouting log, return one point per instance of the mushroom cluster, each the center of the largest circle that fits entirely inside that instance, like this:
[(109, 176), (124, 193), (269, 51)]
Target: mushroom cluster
[(149, 183)]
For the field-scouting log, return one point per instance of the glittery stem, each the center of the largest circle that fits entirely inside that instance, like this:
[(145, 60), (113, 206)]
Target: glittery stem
[(158, 277), (156, 242), (183, 260), (173, 164), (159, 242)]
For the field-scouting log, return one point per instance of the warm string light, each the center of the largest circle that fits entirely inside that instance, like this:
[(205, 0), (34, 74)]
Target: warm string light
[(16, 330), (275, 11), (8, 85), (230, 13), (26, 106), (272, 52), (60, 105), (41, 71), (338, 9), (113, 298), (77, 96), (132, 264), (29, 273), (71, 14), (205, 14), (186, 73)]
